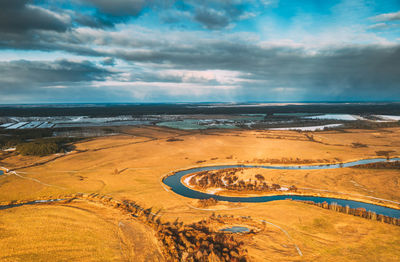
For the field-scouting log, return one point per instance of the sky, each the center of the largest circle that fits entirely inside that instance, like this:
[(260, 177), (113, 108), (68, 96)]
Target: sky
[(86, 51)]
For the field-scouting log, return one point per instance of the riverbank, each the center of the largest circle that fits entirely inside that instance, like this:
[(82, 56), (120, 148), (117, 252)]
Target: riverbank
[(300, 192), (185, 175)]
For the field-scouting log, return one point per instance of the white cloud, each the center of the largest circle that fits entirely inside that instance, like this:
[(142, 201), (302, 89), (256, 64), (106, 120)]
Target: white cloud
[(387, 17)]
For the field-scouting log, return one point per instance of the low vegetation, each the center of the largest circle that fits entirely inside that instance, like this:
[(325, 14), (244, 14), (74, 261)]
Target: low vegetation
[(381, 165), (385, 153), (229, 179), (287, 160), (43, 147), (11, 138), (174, 139), (181, 242), (207, 202), (359, 212)]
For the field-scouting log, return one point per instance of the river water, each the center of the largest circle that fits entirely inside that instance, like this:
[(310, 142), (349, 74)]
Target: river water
[(174, 182)]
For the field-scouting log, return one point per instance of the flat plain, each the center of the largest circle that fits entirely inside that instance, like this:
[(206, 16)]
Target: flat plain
[(131, 166)]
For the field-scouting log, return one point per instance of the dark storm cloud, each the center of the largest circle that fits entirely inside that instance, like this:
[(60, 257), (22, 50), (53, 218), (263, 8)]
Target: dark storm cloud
[(93, 21), (345, 71), (109, 61), (24, 75), (356, 69), (211, 18), (118, 8), (51, 81), (214, 14), (146, 54), (18, 16)]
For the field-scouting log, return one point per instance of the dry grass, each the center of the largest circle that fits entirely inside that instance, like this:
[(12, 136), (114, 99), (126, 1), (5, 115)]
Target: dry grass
[(142, 160), (73, 232), (378, 183)]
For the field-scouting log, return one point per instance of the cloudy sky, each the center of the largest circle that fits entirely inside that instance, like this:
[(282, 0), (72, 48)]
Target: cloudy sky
[(54, 51)]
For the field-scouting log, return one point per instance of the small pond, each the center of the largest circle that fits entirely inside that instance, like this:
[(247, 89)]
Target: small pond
[(235, 229)]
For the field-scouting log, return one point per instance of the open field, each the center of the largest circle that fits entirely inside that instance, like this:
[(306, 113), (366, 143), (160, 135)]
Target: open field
[(74, 231), (130, 166)]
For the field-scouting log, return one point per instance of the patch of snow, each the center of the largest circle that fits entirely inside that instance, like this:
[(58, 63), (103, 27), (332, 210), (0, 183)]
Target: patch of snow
[(17, 125), (30, 125), (389, 117), (283, 189), (45, 125), (7, 124), (186, 180), (307, 128), (345, 117), (213, 191), (359, 117)]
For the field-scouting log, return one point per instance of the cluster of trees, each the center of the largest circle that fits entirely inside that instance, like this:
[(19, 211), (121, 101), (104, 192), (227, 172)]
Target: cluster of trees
[(287, 160), (385, 153), (207, 202), (257, 186), (182, 242), (11, 138), (360, 212), (174, 139), (228, 179), (370, 124), (358, 145), (38, 148), (196, 242), (37, 142), (381, 165), (288, 121), (43, 147)]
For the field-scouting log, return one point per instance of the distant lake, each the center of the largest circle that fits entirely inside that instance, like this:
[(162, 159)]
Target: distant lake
[(192, 124)]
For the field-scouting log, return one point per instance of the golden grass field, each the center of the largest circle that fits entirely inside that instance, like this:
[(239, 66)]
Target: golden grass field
[(74, 232), (131, 166)]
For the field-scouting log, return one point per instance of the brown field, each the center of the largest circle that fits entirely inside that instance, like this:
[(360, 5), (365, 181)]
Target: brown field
[(130, 166), (74, 232)]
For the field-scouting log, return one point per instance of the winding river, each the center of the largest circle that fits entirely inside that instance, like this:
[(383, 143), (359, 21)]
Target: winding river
[(175, 184)]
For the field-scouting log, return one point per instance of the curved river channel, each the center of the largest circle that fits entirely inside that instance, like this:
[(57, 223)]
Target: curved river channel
[(175, 184)]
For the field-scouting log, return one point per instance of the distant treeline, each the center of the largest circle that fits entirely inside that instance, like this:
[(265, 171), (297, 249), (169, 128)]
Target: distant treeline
[(10, 138), (369, 125), (359, 212), (95, 110), (43, 147), (381, 165)]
